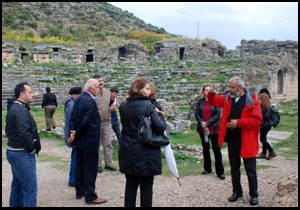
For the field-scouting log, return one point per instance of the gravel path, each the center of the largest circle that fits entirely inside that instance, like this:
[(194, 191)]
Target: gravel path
[(195, 191)]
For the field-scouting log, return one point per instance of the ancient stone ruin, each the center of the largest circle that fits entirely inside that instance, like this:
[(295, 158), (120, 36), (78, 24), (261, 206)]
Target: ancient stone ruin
[(273, 69)]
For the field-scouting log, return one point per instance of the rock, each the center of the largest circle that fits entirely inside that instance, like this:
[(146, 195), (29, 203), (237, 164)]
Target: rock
[(287, 192)]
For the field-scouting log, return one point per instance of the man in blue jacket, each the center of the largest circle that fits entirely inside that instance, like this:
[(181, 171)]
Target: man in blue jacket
[(75, 92)]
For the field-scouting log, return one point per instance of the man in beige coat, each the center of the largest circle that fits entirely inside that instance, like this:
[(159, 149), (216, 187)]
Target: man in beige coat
[(102, 101)]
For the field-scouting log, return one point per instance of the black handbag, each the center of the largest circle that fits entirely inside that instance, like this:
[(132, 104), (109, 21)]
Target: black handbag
[(148, 136)]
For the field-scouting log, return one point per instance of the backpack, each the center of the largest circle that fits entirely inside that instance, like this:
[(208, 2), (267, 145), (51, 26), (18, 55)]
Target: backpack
[(275, 118)]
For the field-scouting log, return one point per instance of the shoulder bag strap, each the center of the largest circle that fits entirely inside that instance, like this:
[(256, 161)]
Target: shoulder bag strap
[(146, 105)]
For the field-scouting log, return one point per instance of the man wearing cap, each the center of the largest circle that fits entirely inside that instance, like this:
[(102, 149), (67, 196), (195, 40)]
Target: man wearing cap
[(75, 92)]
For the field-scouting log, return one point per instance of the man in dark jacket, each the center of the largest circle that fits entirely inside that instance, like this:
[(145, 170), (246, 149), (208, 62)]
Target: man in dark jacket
[(10, 101), (22, 145), (49, 104), (85, 135), (75, 92)]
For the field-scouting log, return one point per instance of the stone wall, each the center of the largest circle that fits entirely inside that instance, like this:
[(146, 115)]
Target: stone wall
[(188, 50), (270, 47), (176, 85), (283, 74), (277, 73)]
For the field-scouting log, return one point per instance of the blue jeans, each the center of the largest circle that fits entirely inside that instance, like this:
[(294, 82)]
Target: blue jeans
[(116, 127), (24, 181), (72, 167)]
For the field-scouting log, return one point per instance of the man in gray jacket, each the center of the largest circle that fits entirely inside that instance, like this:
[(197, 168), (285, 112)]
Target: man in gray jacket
[(102, 101)]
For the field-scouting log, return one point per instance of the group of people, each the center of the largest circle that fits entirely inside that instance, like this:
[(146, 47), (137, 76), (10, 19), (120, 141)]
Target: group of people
[(138, 162), (106, 101), (235, 117)]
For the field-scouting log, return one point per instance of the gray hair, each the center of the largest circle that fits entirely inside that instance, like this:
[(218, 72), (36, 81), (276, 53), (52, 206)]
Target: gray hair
[(240, 82), (90, 83)]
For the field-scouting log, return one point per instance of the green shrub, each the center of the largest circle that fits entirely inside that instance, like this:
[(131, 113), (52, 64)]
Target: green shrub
[(8, 20)]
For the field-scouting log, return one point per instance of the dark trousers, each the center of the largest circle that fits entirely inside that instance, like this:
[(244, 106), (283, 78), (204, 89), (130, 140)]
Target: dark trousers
[(217, 154), (146, 190), (263, 139), (234, 154), (86, 174)]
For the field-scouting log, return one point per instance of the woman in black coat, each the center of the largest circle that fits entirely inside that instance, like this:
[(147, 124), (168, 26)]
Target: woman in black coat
[(138, 162), (265, 127)]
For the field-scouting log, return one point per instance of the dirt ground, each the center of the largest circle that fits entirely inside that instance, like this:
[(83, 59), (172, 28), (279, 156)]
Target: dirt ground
[(195, 191)]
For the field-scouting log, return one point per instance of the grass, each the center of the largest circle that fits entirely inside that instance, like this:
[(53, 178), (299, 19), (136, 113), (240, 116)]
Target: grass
[(187, 165), (39, 116), (60, 163), (288, 122), (188, 137)]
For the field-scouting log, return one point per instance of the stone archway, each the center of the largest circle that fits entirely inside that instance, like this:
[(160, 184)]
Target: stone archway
[(90, 55), (280, 80), (181, 52), (122, 52)]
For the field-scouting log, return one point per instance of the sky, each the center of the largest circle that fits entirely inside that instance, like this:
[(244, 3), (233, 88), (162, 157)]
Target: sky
[(226, 22)]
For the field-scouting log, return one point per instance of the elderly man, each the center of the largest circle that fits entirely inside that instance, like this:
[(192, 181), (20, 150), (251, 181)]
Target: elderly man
[(85, 135), (240, 126)]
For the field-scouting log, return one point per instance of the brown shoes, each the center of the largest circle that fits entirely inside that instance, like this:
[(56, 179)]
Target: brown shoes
[(264, 155), (261, 156), (271, 155), (97, 201)]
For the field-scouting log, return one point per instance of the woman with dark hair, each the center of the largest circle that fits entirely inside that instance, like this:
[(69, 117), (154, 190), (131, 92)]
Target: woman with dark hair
[(139, 163), (208, 118), (265, 127)]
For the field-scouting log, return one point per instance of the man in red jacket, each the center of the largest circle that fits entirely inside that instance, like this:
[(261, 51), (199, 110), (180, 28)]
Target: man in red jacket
[(240, 126)]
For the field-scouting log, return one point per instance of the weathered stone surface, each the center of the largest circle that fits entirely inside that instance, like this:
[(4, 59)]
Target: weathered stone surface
[(287, 192)]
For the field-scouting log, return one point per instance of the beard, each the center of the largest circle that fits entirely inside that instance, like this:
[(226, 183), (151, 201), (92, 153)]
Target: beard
[(235, 94)]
